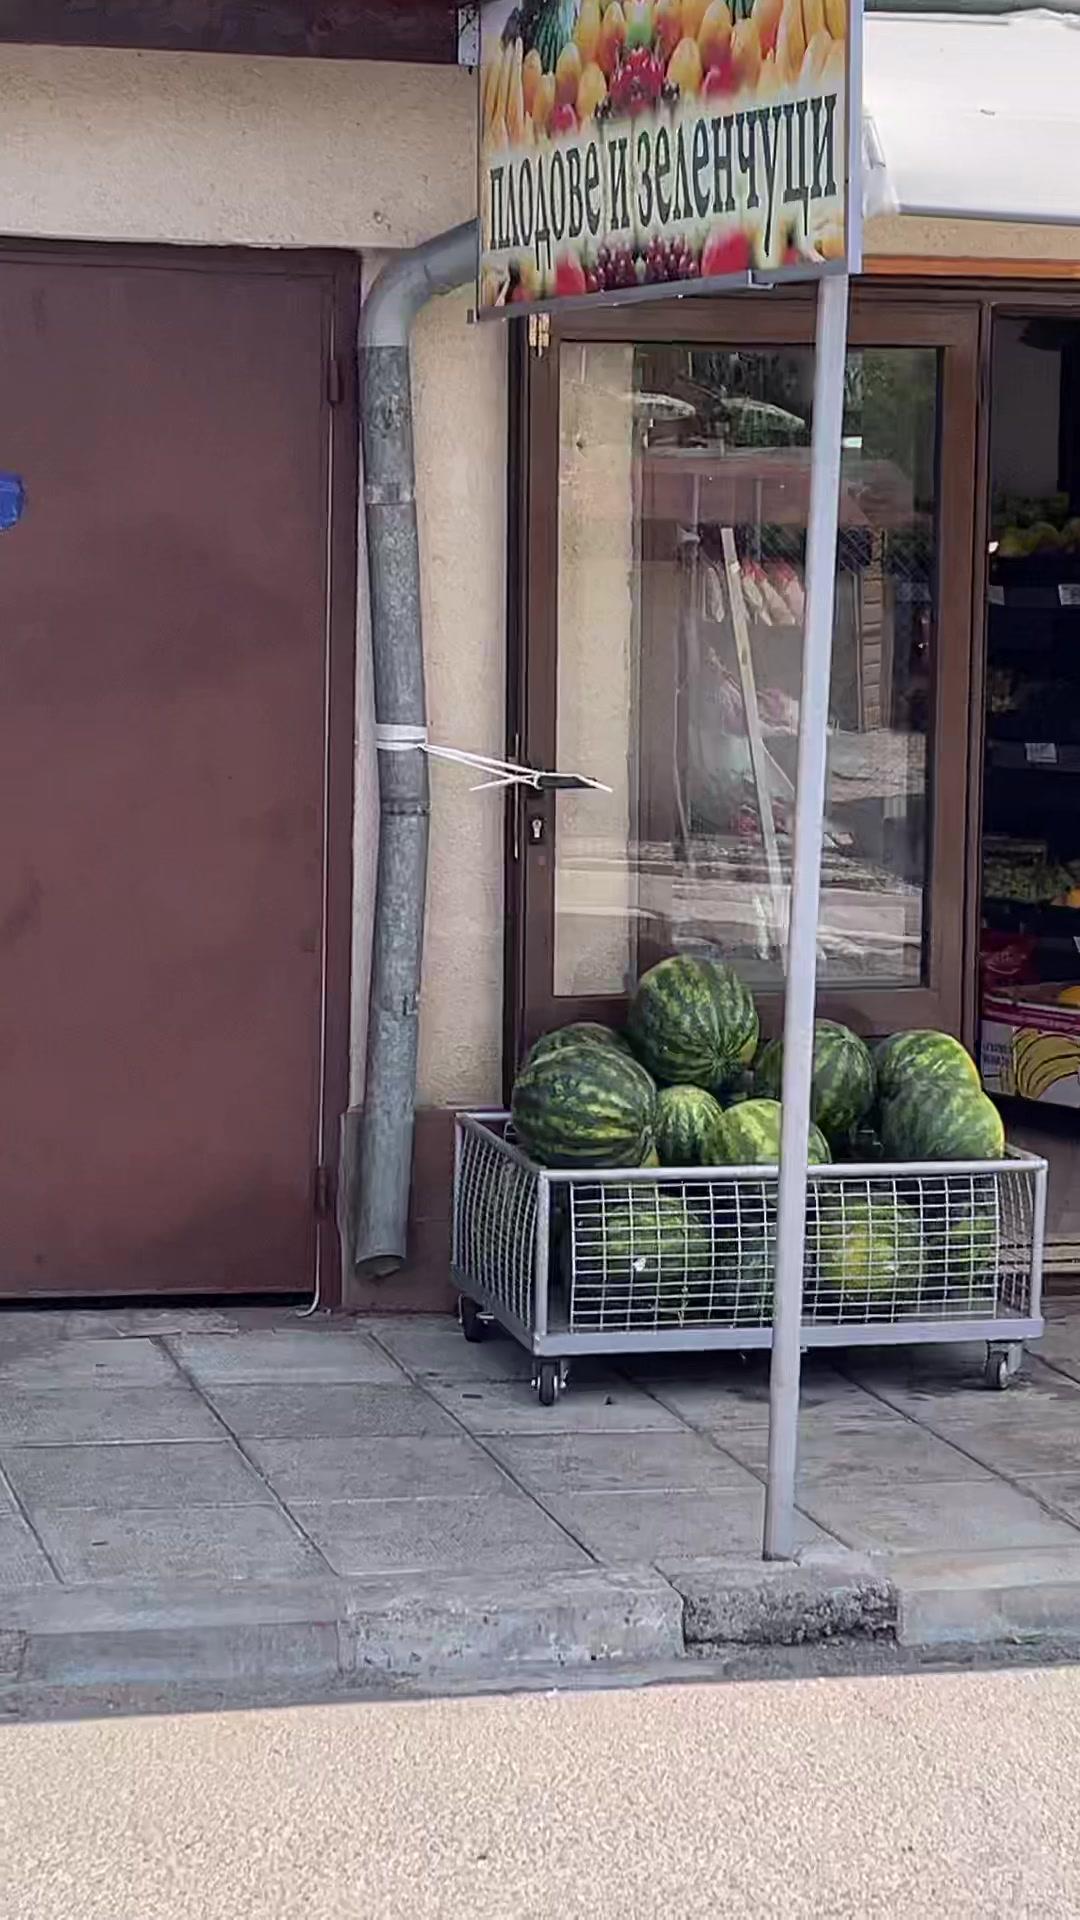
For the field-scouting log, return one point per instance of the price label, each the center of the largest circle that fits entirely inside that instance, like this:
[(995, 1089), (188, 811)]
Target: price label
[(1040, 753), (1069, 593), (996, 596)]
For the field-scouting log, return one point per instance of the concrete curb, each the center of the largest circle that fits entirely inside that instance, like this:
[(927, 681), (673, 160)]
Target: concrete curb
[(824, 1594), (428, 1629), (329, 1630), (983, 1598)]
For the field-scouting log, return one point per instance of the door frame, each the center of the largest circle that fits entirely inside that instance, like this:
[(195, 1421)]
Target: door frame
[(340, 273), (948, 317)]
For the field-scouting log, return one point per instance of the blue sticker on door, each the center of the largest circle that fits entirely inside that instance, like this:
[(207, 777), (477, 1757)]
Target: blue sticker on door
[(12, 501)]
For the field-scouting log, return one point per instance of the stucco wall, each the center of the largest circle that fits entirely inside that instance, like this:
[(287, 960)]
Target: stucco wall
[(222, 150)]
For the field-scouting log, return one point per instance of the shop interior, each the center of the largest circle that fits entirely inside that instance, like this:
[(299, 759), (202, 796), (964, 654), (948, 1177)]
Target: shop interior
[(1030, 930)]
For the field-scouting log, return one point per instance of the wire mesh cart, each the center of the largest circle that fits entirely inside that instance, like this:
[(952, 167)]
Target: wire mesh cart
[(681, 1259)]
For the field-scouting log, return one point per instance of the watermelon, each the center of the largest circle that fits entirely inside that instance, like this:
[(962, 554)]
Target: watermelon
[(865, 1245), (843, 1086), (579, 1033), (935, 1121), (693, 1023), (688, 1122), (962, 1231), (652, 1244), (922, 1055), (587, 1106), (864, 1145), (750, 1136), (745, 1239)]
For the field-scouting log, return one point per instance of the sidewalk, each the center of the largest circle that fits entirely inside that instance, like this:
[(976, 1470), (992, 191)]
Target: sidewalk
[(185, 1492)]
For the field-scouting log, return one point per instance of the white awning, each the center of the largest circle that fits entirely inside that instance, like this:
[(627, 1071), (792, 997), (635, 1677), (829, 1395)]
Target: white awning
[(973, 116)]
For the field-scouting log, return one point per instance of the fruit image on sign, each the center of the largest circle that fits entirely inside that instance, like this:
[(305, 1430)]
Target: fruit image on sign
[(632, 144)]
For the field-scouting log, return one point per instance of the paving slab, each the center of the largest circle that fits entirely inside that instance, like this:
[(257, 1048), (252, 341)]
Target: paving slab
[(499, 1533), (511, 1406), (941, 1396), (917, 1518), (172, 1474), (439, 1348), (392, 1468), (1060, 1491), (741, 1400), (1017, 1449), (229, 1543), (103, 1414), (7, 1500), (22, 1563), (270, 1355), (837, 1450), (327, 1412), (48, 1324), (654, 1528), (58, 1365), (610, 1463)]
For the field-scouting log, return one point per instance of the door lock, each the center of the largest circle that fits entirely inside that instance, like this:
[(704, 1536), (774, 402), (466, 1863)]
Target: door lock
[(536, 829)]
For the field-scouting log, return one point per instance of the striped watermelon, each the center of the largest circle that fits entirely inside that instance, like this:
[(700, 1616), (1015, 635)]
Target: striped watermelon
[(923, 1055), (587, 1106), (865, 1245), (936, 1121), (688, 1122), (843, 1086), (588, 1033), (693, 1023), (750, 1136), (652, 1235)]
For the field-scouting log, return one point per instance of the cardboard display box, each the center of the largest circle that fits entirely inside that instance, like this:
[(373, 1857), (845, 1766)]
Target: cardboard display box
[(1030, 1045)]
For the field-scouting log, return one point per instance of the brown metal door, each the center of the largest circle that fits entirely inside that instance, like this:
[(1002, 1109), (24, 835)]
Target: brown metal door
[(165, 664)]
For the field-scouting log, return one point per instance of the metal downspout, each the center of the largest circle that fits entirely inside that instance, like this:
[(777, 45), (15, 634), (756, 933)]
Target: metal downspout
[(405, 284)]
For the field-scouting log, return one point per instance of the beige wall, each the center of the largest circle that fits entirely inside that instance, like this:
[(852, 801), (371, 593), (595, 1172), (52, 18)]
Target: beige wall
[(222, 150), (970, 240)]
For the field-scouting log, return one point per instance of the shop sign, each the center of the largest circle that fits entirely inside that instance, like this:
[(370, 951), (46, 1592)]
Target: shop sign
[(640, 148)]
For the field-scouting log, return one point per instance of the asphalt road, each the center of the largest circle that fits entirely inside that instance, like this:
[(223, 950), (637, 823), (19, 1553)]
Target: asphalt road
[(916, 1794)]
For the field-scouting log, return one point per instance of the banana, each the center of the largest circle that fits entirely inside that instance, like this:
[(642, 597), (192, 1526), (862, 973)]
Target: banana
[(818, 48), (502, 93), (488, 86), (515, 98), (790, 42), (813, 13), (1040, 1060), (832, 70)]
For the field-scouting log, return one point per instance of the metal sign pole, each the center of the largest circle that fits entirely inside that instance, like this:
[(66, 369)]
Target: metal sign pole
[(799, 996)]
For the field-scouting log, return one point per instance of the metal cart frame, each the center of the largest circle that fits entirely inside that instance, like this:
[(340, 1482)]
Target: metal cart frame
[(531, 1251)]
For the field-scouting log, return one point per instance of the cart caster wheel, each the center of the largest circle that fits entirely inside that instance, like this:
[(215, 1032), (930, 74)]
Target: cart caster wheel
[(549, 1383), (996, 1374), (473, 1323)]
